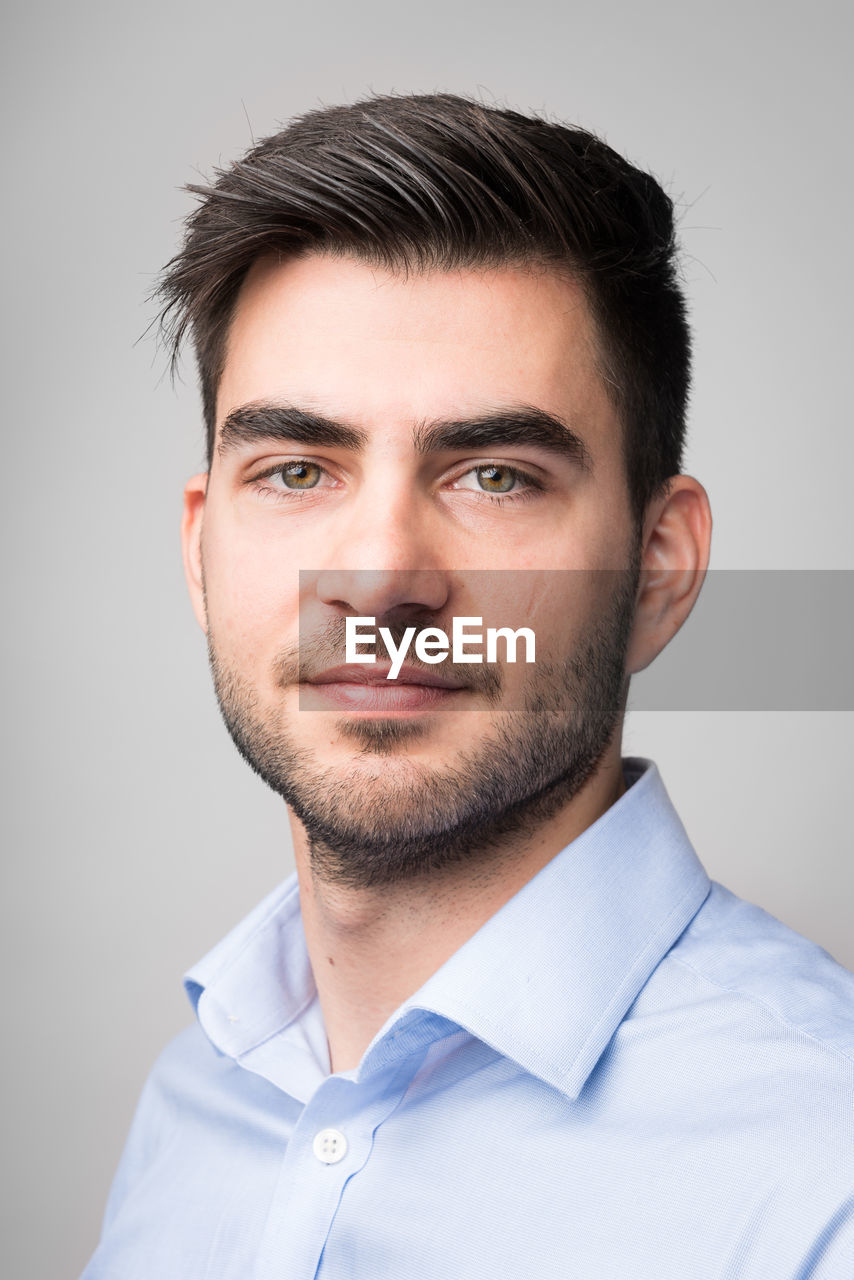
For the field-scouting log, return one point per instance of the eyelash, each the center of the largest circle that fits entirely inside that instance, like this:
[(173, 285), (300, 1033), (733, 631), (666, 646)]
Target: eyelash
[(532, 484)]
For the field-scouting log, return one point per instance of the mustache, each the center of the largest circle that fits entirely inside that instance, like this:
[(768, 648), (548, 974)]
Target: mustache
[(318, 650)]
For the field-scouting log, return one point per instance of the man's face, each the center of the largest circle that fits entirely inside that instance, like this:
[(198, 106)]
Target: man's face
[(421, 448)]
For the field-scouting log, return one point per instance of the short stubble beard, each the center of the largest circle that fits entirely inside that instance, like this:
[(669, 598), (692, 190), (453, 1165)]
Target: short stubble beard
[(392, 825)]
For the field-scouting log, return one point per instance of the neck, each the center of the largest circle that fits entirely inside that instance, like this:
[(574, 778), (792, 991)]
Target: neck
[(372, 948)]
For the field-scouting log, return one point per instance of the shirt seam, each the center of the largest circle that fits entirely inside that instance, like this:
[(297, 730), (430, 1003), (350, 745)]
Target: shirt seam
[(769, 1009)]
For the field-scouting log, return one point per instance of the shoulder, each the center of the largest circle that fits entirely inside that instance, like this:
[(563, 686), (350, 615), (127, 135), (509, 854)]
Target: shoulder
[(760, 1062), (775, 974), (192, 1092), (192, 1083), (742, 1045), (186, 1066)]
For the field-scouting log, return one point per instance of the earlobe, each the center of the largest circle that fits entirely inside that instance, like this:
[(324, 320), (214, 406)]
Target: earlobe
[(677, 540), (191, 543)]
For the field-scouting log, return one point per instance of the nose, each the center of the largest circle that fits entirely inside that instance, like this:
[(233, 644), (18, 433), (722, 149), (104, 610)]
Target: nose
[(377, 593), (387, 556)]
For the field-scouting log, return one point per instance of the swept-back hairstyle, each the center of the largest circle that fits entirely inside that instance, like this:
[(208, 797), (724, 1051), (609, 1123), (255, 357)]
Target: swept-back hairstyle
[(420, 182)]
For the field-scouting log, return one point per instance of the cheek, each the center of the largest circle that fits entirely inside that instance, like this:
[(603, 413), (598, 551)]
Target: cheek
[(603, 534), (252, 592), (575, 601)]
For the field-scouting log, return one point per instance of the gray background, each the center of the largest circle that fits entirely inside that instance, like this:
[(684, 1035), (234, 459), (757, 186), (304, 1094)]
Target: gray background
[(134, 837)]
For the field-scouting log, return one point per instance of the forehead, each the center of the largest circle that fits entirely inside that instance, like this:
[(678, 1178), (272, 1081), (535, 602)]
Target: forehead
[(381, 348)]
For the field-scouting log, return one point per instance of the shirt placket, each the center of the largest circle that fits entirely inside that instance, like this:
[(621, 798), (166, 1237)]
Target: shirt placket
[(330, 1144)]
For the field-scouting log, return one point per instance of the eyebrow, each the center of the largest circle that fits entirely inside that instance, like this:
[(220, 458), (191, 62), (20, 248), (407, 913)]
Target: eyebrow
[(251, 423), (521, 425)]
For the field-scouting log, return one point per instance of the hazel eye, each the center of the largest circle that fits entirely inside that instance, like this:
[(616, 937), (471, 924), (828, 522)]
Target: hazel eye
[(300, 475), (493, 479)]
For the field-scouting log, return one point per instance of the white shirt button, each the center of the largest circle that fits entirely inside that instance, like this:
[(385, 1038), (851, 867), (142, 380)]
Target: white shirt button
[(330, 1146)]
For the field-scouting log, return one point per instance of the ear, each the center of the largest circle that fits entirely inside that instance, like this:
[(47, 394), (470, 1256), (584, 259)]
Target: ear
[(675, 555), (191, 543)]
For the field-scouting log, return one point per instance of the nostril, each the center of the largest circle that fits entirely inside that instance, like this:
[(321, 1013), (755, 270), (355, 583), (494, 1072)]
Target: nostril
[(409, 593)]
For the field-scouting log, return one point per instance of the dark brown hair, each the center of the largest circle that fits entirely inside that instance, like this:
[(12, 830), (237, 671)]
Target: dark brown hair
[(437, 181)]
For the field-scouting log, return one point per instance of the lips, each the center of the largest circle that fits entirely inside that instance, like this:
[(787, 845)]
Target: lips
[(377, 674), (367, 689)]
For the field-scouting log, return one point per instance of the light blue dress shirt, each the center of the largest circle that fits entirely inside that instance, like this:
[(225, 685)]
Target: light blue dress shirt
[(627, 1073)]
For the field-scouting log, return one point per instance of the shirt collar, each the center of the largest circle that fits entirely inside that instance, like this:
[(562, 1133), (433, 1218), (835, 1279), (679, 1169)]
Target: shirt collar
[(548, 979), (258, 980), (545, 981)]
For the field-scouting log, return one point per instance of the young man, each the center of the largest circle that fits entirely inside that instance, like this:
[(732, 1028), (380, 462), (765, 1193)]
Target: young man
[(499, 1023)]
